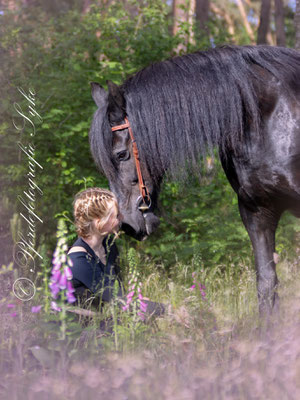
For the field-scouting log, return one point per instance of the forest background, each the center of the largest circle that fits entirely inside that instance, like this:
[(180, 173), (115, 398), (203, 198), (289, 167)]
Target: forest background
[(55, 48)]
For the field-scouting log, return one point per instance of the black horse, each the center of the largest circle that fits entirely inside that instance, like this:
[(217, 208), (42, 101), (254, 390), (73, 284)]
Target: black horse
[(243, 101)]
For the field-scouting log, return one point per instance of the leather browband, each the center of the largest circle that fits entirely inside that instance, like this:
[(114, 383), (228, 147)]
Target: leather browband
[(120, 127)]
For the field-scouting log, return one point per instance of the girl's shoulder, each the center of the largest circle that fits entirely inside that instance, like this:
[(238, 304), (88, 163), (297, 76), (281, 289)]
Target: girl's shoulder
[(80, 247), (81, 259), (75, 249)]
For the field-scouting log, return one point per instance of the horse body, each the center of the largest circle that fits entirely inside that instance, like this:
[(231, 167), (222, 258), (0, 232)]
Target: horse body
[(243, 100), (266, 179)]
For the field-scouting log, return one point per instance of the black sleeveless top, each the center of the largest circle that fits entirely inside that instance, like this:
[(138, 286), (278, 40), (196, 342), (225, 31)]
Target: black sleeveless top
[(93, 281)]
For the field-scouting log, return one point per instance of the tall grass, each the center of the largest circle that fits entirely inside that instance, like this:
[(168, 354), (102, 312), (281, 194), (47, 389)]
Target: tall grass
[(205, 346)]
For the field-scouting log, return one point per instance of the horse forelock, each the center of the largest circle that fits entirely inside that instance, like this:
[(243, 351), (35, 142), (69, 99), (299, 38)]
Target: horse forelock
[(100, 138)]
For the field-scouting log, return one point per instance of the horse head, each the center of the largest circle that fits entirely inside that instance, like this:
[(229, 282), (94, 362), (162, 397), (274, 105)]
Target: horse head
[(113, 154)]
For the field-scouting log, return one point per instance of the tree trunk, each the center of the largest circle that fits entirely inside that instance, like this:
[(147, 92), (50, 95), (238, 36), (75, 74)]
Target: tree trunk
[(190, 19), (297, 25), (179, 15), (279, 23), (245, 20), (264, 22), (224, 14), (202, 10), (183, 11)]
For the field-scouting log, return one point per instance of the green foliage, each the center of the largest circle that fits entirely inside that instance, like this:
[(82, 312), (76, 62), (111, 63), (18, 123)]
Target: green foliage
[(57, 52)]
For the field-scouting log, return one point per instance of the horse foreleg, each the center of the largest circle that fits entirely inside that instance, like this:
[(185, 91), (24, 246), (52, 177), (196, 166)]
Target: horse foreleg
[(261, 226)]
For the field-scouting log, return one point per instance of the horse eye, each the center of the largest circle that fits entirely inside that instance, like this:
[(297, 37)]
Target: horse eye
[(123, 155)]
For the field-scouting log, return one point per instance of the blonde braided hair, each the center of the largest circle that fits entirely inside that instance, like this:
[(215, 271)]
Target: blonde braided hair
[(90, 204)]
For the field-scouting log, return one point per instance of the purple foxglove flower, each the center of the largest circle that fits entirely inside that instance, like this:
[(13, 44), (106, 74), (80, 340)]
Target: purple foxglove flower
[(143, 306), (70, 262), (54, 289), (70, 288), (141, 315), (125, 308), (68, 273), (10, 305), (56, 267), (55, 257), (62, 282), (63, 258), (130, 294), (36, 309), (70, 297), (55, 254), (192, 287), (14, 314), (54, 306), (140, 296), (56, 275)]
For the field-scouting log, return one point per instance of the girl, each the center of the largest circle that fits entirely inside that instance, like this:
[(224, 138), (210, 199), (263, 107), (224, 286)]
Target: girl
[(96, 275), (94, 254)]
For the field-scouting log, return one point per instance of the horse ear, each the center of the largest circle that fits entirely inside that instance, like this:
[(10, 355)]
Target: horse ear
[(116, 94), (99, 94)]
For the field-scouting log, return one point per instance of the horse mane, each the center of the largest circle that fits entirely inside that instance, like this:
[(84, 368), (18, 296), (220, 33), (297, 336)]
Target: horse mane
[(186, 106)]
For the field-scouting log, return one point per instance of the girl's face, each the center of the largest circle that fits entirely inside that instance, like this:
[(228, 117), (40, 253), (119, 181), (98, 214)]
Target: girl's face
[(113, 223)]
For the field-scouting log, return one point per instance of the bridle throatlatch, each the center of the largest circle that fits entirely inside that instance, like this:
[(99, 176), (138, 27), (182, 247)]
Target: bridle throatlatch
[(145, 195)]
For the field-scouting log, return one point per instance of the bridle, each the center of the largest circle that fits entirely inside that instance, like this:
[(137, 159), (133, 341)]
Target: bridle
[(145, 195)]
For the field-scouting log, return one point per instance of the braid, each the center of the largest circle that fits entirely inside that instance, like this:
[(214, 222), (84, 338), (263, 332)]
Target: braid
[(90, 204)]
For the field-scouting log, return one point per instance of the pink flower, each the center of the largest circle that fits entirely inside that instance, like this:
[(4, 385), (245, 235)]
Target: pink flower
[(141, 315), (54, 306), (60, 242), (125, 308), (70, 288), (62, 282), (56, 261), (70, 297), (143, 306), (130, 295), (55, 276), (192, 287), (36, 309), (10, 305), (68, 273), (70, 262), (55, 254), (14, 314)]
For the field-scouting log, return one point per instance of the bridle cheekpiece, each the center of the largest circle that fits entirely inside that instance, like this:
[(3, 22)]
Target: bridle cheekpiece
[(145, 195)]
